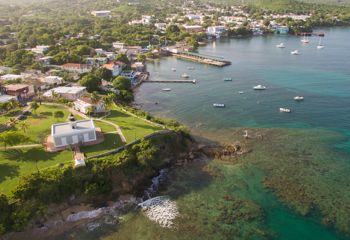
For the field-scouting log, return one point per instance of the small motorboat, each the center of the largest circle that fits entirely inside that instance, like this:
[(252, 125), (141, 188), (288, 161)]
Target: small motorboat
[(281, 45), (259, 87), (228, 79), (173, 69), (240, 92), (185, 75), (295, 52), (166, 89), (190, 68), (299, 98), (194, 81), (218, 105), (285, 110)]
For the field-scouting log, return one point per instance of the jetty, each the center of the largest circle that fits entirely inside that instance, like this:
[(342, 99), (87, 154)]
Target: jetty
[(205, 59), (171, 81)]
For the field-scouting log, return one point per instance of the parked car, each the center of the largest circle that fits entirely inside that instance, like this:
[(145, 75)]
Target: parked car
[(26, 113)]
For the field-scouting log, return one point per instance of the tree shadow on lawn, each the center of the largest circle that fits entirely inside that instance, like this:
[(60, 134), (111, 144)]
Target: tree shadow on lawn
[(31, 155), (8, 170)]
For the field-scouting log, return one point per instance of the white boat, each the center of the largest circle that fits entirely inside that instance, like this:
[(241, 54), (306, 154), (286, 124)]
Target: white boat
[(227, 79), (295, 52), (185, 76), (218, 105), (166, 89), (299, 98), (259, 87), (305, 39), (173, 69), (320, 45), (240, 92), (190, 68), (281, 45), (286, 110)]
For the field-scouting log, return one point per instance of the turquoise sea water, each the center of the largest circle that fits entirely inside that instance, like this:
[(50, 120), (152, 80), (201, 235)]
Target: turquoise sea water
[(315, 146), (321, 76)]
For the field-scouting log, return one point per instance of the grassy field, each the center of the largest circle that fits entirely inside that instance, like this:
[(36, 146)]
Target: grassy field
[(17, 163), (133, 128)]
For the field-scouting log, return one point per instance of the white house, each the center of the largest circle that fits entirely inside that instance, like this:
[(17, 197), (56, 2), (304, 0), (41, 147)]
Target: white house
[(6, 98), (70, 93), (119, 45), (103, 13), (46, 60), (216, 31), (114, 67), (40, 49), (10, 77), (53, 80), (70, 133), (84, 105), (160, 26), (76, 67)]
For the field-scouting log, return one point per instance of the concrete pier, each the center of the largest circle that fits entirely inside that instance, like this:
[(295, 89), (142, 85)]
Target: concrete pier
[(202, 59), (171, 81)]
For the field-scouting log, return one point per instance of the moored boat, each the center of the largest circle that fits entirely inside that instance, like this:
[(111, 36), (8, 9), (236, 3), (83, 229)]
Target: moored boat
[(166, 89), (259, 87), (298, 98), (295, 52), (286, 110), (227, 79), (185, 75), (281, 45), (219, 105)]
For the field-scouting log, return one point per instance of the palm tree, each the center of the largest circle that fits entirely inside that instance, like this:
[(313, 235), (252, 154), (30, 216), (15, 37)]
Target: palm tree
[(95, 98), (40, 96), (13, 104), (109, 100), (24, 126), (12, 122)]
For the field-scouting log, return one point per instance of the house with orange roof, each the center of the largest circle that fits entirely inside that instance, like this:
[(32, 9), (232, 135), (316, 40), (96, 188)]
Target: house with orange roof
[(115, 67), (76, 67)]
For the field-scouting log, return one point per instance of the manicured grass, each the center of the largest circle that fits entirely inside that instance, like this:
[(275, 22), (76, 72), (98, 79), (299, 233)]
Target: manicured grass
[(40, 121), (111, 142), (16, 163), (133, 128), (106, 128)]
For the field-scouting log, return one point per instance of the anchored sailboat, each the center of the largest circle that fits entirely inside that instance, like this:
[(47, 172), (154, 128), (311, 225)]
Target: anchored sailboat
[(320, 45)]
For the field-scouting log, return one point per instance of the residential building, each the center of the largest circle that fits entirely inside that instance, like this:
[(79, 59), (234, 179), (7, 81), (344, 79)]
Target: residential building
[(6, 98), (40, 49), (97, 61), (119, 45), (53, 80), (216, 31), (160, 26), (45, 60), (85, 105), (70, 93), (114, 67), (71, 133), (282, 29), (103, 13), (76, 67), (10, 77), (193, 28), (21, 91)]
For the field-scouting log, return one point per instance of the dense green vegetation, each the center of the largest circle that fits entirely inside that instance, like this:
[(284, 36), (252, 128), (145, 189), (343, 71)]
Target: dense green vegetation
[(53, 185)]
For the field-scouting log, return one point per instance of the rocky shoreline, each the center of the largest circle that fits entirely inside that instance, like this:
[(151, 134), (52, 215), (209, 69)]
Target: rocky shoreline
[(160, 209)]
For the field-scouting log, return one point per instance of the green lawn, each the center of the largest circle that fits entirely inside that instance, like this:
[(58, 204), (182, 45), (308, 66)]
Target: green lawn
[(132, 127), (16, 163), (39, 123)]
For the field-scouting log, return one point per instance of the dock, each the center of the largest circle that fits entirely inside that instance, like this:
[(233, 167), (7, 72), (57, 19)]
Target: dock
[(210, 60), (170, 81)]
